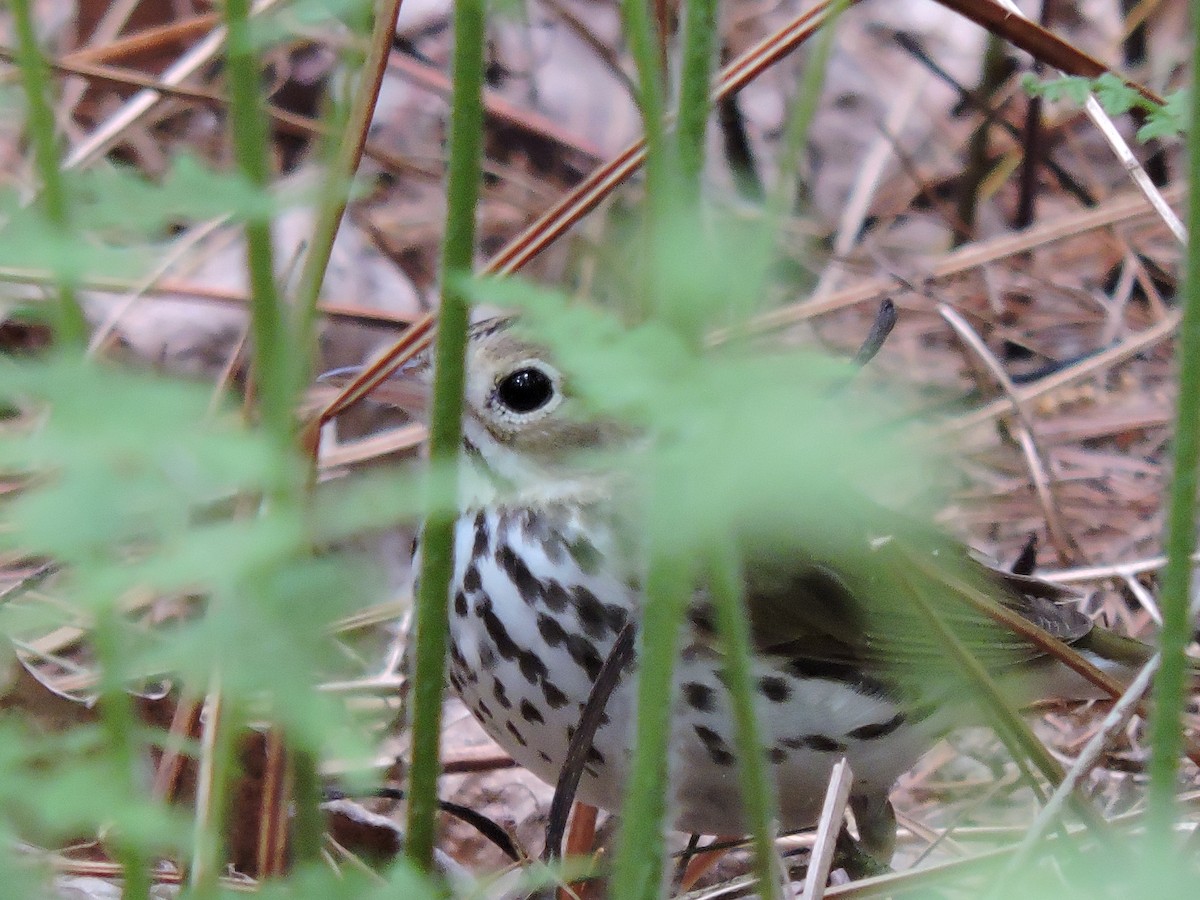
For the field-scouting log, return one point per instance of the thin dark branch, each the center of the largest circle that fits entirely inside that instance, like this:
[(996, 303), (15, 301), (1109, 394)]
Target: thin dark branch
[(477, 820), (618, 660), (1034, 144), (681, 865), (738, 151), (969, 98)]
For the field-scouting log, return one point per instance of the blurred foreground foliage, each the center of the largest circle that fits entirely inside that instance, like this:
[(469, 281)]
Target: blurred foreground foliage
[(138, 487), (139, 491)]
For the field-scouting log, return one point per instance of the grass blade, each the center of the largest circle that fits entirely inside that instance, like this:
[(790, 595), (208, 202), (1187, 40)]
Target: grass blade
[(445, 434)]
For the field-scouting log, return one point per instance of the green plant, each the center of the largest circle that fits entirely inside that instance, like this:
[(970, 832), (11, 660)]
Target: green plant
[(142, 489), (138, 485), (1163, 120)]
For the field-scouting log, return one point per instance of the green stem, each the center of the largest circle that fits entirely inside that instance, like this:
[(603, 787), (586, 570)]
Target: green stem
[(639, 866), (641, 33), (781, 197), (700, 31), (71, 324), (1166, 726), (275, 368), (308, 827), (1016, 736), (120, 723), (733, 623), (208, 851), (804, 109), (279, 372), (445, 433), (354, 123)]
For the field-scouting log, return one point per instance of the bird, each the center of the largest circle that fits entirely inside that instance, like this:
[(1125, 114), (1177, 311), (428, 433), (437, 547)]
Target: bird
[(547, 574)]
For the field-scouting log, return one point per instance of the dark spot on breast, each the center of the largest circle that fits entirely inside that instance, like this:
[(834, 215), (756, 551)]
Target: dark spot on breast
[(505, 645), (487, 656), (701, 617), (698, 696), (714, 745), (555, 596), (482, 538), (819, 742), (876, 730), (585, 655), (544, 756), (774, 688), (534, 524), (501, 694), (551, 631), (527, 586), (471, 580), (531, 713), (590, 611), (455, 682), (484, 710), (531, 666), (843, 673), (460, 604), (777, 755), (515, 732), (556, 698), (529, 662), (579, 648)]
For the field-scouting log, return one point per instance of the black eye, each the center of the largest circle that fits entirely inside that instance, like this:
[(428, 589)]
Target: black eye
[(525, 390)]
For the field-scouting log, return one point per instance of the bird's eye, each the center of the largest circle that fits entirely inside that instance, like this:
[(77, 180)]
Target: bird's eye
[(526, 390)]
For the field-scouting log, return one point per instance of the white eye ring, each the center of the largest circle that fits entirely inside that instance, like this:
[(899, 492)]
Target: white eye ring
[(529, 388)]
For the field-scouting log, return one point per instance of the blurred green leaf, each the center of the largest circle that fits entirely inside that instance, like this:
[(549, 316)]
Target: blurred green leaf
[(350, 883), (28, 241), (1117, 98), (1074, 88), (301, 18), (1169, 120), (120, 199), (1115, 95), (123, 462), (135, 484), (62, 785)]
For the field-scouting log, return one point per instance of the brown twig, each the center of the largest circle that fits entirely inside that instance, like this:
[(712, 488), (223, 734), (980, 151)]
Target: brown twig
[(1037, 41), (588, 194), (343, 167), (271, 846), (496, 107), (147, 39)]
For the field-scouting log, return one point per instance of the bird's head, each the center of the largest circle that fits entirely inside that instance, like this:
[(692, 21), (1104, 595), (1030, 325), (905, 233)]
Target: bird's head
[(524, 429)]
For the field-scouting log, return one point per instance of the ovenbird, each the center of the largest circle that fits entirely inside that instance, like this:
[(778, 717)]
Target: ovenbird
[(546, 574)]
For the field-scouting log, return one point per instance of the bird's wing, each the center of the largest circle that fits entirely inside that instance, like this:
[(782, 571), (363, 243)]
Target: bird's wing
[(863, 616)]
